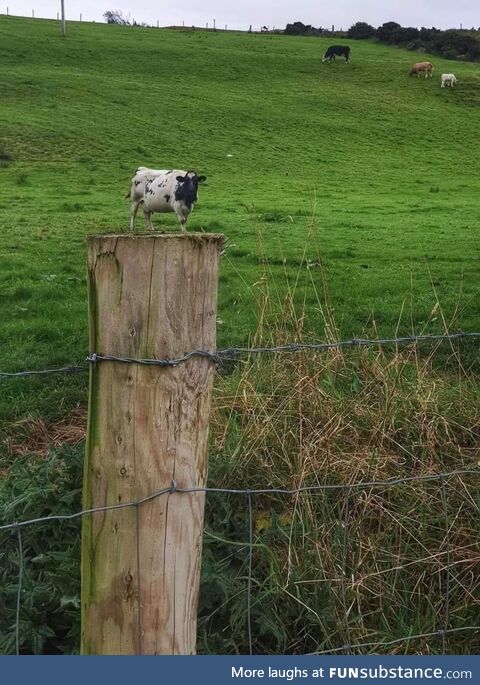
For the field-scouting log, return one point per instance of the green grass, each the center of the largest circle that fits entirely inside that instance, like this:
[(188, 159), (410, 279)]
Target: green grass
[(385, 167), (349, 195)]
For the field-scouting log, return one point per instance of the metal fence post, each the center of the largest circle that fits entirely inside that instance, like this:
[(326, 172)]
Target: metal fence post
[(149, 297)]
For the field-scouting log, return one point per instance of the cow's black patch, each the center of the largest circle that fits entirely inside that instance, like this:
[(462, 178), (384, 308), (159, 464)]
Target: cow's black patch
[(186, 189), (167, 198)]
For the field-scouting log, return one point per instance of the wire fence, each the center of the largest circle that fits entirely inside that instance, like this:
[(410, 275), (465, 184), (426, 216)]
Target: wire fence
[(252, 495), (232, 353), (175, 490)]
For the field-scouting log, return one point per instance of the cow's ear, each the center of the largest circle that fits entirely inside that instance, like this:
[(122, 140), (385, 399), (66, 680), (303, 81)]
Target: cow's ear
[(202, 178), (181, 178)]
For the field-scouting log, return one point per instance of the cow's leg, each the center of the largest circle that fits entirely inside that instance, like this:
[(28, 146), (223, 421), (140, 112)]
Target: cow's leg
[(133, 213), (183, 220), (182, 215), (148, 218)]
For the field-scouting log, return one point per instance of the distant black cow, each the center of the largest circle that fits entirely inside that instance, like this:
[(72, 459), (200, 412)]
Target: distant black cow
[(340, 50)]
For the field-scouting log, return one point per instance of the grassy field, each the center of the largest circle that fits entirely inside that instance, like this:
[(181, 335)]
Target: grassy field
[(357, 168), (349, 195)]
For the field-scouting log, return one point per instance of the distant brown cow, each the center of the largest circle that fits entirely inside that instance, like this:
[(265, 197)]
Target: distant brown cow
[(422, 67)]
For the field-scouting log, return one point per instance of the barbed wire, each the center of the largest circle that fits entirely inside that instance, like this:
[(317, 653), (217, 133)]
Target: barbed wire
[(174, 489), (232, 353), (44, 372)]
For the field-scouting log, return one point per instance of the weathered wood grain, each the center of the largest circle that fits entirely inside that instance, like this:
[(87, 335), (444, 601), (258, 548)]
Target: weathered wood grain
[(149, 296)]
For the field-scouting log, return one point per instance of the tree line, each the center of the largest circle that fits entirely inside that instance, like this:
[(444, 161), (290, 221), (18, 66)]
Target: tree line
[(451, 44)]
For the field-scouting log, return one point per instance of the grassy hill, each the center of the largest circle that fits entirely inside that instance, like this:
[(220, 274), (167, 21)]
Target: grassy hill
[(350, 198), (359, 166)]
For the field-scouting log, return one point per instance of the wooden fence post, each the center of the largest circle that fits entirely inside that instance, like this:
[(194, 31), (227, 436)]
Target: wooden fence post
[(149, 297)]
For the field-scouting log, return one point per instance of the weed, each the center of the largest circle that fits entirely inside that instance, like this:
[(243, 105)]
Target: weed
[(5, 154)]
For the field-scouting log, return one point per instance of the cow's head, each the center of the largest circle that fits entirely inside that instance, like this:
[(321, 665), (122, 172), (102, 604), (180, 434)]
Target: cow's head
[(187, 187)]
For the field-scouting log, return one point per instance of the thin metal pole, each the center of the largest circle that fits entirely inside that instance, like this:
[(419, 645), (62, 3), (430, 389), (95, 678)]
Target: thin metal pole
[(62, 25)]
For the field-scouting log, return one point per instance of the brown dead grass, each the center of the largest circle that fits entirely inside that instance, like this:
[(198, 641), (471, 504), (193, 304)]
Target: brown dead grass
[(37, 437)]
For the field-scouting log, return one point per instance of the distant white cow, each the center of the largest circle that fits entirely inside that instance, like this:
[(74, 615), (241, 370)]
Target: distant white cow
[(164, 190), (448, 80)]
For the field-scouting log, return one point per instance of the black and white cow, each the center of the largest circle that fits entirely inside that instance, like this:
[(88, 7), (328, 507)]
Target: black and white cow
[(340, 50), (164, 190), (137, 189)]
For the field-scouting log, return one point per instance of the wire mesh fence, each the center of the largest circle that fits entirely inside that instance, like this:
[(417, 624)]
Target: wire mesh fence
[(348, 581), (251, 497)]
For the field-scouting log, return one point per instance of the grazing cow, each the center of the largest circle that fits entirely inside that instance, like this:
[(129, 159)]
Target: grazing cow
[(422, 68), (448, 80), (340, 50)]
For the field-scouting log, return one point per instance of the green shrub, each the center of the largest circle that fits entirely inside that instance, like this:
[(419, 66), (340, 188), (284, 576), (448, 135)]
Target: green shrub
[(49, 603), (361, 30)]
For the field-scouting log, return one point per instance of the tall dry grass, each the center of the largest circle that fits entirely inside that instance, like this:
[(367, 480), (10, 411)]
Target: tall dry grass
[(355, 565)]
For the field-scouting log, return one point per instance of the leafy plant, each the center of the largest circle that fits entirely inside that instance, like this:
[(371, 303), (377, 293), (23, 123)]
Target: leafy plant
[(49, 598)]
